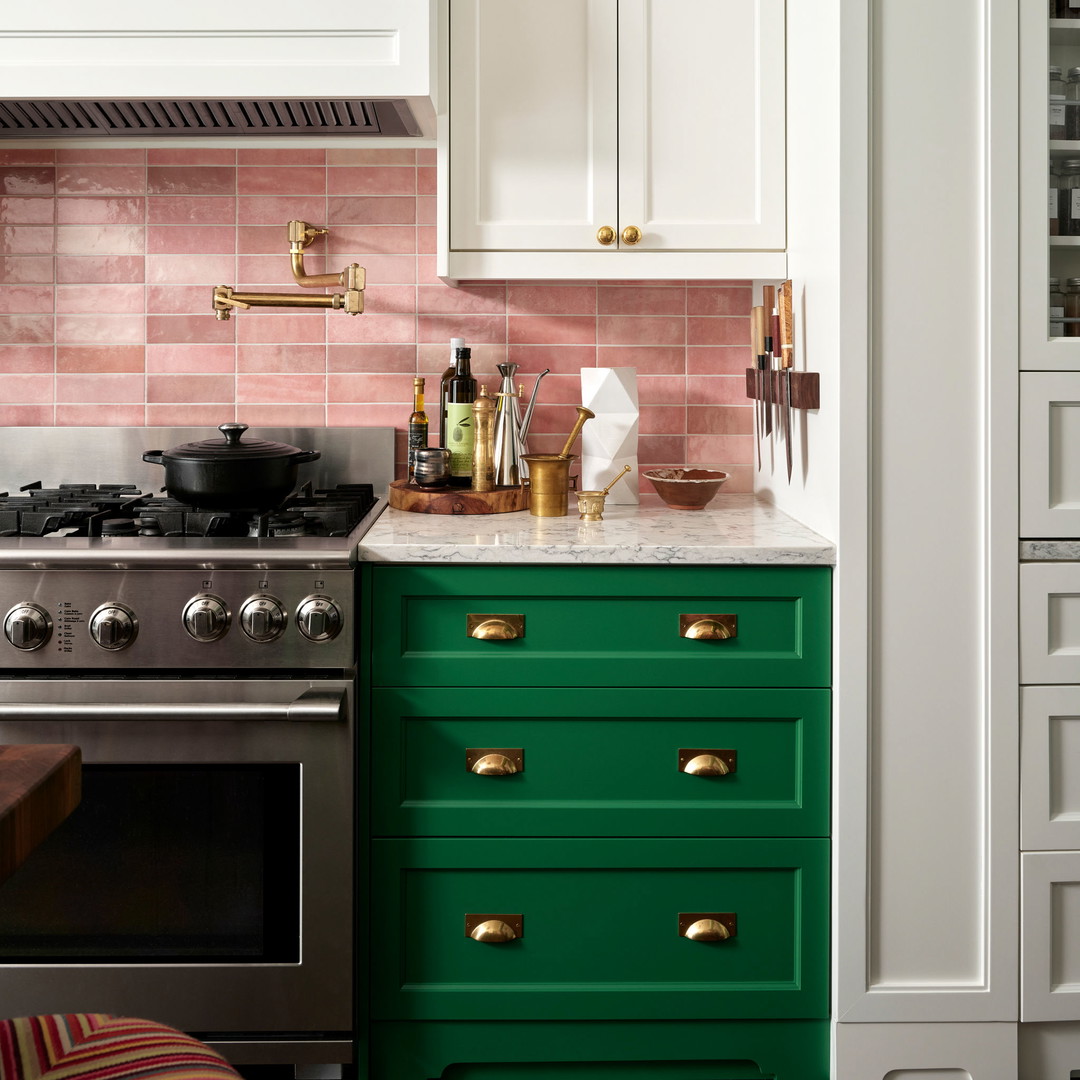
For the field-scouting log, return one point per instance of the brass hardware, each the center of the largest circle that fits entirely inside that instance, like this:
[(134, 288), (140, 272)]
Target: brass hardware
[(707, 762), (495, 760), (495, 627), (301, 234), (631, 234), (708, 627), (549, 484), (583, 414), (494, 929), (606, 235), (708, 925)]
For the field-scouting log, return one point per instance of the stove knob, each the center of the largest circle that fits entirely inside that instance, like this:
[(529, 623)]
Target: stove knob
[(206, 618), (319, 618), (113, 627), (263, 618), (27, 626)]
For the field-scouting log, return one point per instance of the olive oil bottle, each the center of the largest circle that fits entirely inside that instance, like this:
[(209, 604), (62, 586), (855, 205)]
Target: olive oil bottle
[(418, 425), (459, 438)]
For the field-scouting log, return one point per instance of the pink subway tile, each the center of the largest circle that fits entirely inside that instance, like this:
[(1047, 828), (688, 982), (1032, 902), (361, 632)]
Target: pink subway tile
[(28, 180), (178, 299), (191, 210), (554, 389), (126, 299), (25, 329), (281, 180), (661, 450), (73, 268), (720, 449), (26, 415), (359, 155), (26, 359), (468, 300), (427, 239), (388, 269), (646, 359), (366, 415), (354, 242), (27, 240), (101, 387), (99, 210), (94, 416), (100, 180), (190, 240), (100, 328), (26, 155), (392, 327), (547, 442), (372, 358), (718, 359), (718, 301), (84, 359), (190, 388), (171, 157), (26, 210), (371, 210), (377, 388), (551, 329), (273, 270), (717, 390), (426, 181), (210, 270), (273, 240), (178, 358), (279, 211), (427, 267), (191, 180), (705, 330), (26, 389), (640, 300), (89, 154), (293, 359), (26, 270), (425, 210), (306, 388), (179, 329), (267, 157), (100, 240), (720, 419), (26, 299), (271, 326), (427, 156), (662, 389), (561, 359), (371, 180), (282, 415), (740, 481), (379, 299), (475, 329), (641, 330), (189, 415), (523, 298), (662, 420)]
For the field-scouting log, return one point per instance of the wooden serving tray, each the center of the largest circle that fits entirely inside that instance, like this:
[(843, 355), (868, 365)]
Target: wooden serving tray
[(451, 500)]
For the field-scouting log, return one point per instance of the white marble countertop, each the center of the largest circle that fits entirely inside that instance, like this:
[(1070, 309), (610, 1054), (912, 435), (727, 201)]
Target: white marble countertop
[(735, 529)]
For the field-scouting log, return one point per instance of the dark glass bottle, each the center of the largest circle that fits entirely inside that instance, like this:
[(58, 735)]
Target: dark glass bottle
[(418, 425), (459, 439)]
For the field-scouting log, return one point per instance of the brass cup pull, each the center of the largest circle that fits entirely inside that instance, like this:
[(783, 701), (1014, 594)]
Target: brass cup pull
[(707, 925), (706, 765), (494, 929), (631, 234), (495, 627), (708, 627), (605, 235), (495, 762)]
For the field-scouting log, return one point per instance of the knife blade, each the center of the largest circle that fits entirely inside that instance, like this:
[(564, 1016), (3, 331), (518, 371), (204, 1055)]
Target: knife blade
[(787, 361), (772, 341), (756, 346), (763, 362)]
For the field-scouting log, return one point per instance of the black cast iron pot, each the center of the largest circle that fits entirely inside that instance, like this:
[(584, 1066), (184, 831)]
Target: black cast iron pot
[(227, 474)]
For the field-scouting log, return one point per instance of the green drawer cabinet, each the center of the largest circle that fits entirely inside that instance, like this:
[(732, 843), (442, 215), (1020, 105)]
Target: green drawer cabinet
[(549, 778)]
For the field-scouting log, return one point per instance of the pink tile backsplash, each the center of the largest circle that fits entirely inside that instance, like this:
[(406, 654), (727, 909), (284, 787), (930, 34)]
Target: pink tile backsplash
[(108, 257)]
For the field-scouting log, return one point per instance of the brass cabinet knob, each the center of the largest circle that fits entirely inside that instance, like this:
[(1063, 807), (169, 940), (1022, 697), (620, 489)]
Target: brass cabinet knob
[(606, 235), (495, 627), (706, 765), (631, 234), (494, 765), (494, 929), (707, 925), (708, 627)]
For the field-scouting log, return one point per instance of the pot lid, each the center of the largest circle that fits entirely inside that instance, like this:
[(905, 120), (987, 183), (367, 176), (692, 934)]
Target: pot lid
[(231, 447)]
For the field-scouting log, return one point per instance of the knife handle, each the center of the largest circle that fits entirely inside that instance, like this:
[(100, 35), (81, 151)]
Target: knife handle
[(757, 330), (787, 349)]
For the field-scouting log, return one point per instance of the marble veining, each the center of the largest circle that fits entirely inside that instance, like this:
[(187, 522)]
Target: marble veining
[(736, 529), (1049, 550)]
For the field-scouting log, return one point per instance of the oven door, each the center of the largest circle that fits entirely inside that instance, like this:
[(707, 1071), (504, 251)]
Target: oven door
[(206, 878)]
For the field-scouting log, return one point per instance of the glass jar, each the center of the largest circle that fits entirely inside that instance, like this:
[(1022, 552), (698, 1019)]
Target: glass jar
[(1057, 308), (1054, 202), (1067, 9), (1072, 104), (1072, 307), (1069, 200), (1057, 104)]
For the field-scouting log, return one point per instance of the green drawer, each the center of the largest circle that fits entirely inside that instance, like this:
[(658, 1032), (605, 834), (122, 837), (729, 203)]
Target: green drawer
[(600, 929), (600, 626), (591, 762)]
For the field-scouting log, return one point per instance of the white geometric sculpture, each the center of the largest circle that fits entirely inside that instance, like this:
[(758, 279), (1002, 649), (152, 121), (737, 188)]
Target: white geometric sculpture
[(610, 441)]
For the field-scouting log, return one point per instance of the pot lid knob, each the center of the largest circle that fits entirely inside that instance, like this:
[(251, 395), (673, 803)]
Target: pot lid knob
[(232, 433)]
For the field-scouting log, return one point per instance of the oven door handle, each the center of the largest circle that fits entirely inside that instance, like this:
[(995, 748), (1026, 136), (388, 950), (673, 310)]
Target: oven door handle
[(315, 703)]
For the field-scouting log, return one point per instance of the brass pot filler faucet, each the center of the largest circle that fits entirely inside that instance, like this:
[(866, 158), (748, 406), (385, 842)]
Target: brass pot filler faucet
[(301, 234)]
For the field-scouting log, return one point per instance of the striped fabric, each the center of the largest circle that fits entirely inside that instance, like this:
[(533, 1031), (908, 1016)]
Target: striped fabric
[(94, 1046)]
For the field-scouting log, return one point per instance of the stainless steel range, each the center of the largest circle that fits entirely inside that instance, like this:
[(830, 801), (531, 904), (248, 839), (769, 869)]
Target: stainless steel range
[(205, 663)]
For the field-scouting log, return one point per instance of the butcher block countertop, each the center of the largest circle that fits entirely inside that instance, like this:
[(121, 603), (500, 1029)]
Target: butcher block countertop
[(732, 529)]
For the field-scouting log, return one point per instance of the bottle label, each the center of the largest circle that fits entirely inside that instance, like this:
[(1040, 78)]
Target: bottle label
[(1057, 115), (459, 436), (417, 438), (1053, 206), (1074, 203)]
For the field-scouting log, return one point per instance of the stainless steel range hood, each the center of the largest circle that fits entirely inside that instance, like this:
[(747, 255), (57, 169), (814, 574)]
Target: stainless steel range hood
[(127, 69)]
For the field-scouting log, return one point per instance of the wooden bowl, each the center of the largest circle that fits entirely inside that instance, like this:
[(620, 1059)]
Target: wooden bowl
[(686, 487)]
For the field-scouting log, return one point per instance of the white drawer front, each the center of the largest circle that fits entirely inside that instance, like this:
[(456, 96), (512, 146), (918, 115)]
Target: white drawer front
[(1049, 454), (1050, 623), (1050, 767), (1050, 937)]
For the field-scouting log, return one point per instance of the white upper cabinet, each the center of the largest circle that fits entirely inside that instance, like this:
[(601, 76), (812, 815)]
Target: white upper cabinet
[(614, 139)]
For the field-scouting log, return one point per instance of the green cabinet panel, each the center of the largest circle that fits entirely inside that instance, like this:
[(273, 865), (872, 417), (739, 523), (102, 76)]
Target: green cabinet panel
[(569, 1050), (600, 934), (600, 762), (601, 626)]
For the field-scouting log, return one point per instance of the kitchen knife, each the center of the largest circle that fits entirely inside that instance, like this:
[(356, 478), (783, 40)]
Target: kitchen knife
[(756, 347), (772, 339), (787, 360), (759, 321)]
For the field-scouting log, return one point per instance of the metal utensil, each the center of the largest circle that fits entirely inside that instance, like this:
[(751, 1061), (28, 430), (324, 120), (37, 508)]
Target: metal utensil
[(526, 420), (787, 361)]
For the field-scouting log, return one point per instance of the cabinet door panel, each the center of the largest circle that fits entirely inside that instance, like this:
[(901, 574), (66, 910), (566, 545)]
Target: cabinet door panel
[(1049, 622), (533, 124), (1049, 454), (601, 762), (701, 123), (1050, 936), (1050, 767)]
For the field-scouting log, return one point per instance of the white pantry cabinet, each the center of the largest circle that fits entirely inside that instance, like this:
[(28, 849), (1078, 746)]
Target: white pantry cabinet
[(614, 139)]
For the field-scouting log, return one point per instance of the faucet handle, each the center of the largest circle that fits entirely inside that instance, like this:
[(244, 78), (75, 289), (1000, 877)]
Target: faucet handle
[(223, 301)]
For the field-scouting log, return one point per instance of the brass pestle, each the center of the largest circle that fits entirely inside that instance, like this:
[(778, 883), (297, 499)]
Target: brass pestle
[(583, 415)]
